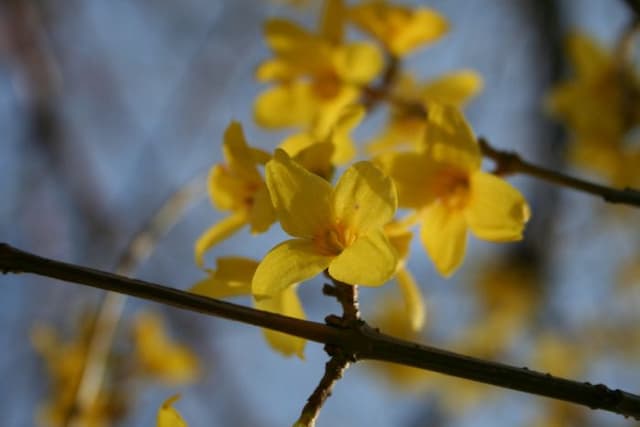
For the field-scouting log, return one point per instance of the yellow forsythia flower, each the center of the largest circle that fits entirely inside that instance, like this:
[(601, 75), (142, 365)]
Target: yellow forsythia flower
[(237, 186), (158, 356), (233, 278), (399, 28), (168, 416), (405, 126), (315, 75), (339, 229), (445, 184)]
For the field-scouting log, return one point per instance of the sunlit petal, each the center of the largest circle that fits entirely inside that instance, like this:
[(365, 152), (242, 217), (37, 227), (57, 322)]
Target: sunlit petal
[(455, 88), (369, 261), (497, 211), (413, 299), (444, 236), (168, 416), (217, 233), (286, 303), (364, 198), (292, 261), (449, 138), (301, 199)]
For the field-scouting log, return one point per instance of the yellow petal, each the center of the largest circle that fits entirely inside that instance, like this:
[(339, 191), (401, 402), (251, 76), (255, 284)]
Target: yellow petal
[(169, 416), (284, 36), (231, 278), (284, 105), (238, 155), (369, 261), (292, 261), (411, 174), (262, 213), (364, 198), (449, 138), (414, 302), (301, 199), (425, 26), (444, 236), (348, 119), (316, 158), (295, 143), (358, 63), (399, 28), (496, 210), (454, 88), (286, 303), (217, 233), (224, 188), (586, 55), (277, 69), (158, 356), (332, 21)]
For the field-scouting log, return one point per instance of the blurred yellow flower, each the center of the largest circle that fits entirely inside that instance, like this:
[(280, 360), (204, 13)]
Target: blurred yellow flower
[(157, 355), (232, 278), (339, 229), (168, 416), (601, 106), (445, 183), (598, 102), (406, 126), (237, 186), (400, 29), (315, 75), (65, 363)]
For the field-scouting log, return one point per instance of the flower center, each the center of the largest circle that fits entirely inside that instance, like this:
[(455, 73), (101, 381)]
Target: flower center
[(333, 240), (326, 85), (451, 187)]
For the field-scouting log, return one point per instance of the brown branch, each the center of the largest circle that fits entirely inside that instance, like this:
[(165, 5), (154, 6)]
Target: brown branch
[(508, 162), (333, 371), (347, 296), (361, 341)]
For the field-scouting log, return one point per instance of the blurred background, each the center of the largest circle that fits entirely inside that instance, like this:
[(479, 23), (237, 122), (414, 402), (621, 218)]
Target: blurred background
[(109, 108)]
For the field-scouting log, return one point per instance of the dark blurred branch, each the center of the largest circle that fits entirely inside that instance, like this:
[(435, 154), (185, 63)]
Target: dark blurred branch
[(359, 340), (634, 5)]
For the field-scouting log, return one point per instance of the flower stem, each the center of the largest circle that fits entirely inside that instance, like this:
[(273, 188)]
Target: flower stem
[(360, 340)]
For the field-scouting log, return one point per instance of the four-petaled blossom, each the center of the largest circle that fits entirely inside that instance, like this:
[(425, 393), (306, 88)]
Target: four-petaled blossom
[(233, 278), (237, 186), (337, 229), (315, 75), (445, 183), (399, 28)]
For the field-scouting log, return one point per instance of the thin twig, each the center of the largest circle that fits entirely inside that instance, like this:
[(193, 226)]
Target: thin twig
[(109, 313), (347, 296), (333, 371), (508, 162), (361, 341)]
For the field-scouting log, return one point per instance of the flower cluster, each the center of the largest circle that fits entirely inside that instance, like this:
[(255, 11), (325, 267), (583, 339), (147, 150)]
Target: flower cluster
[(425, 160)]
